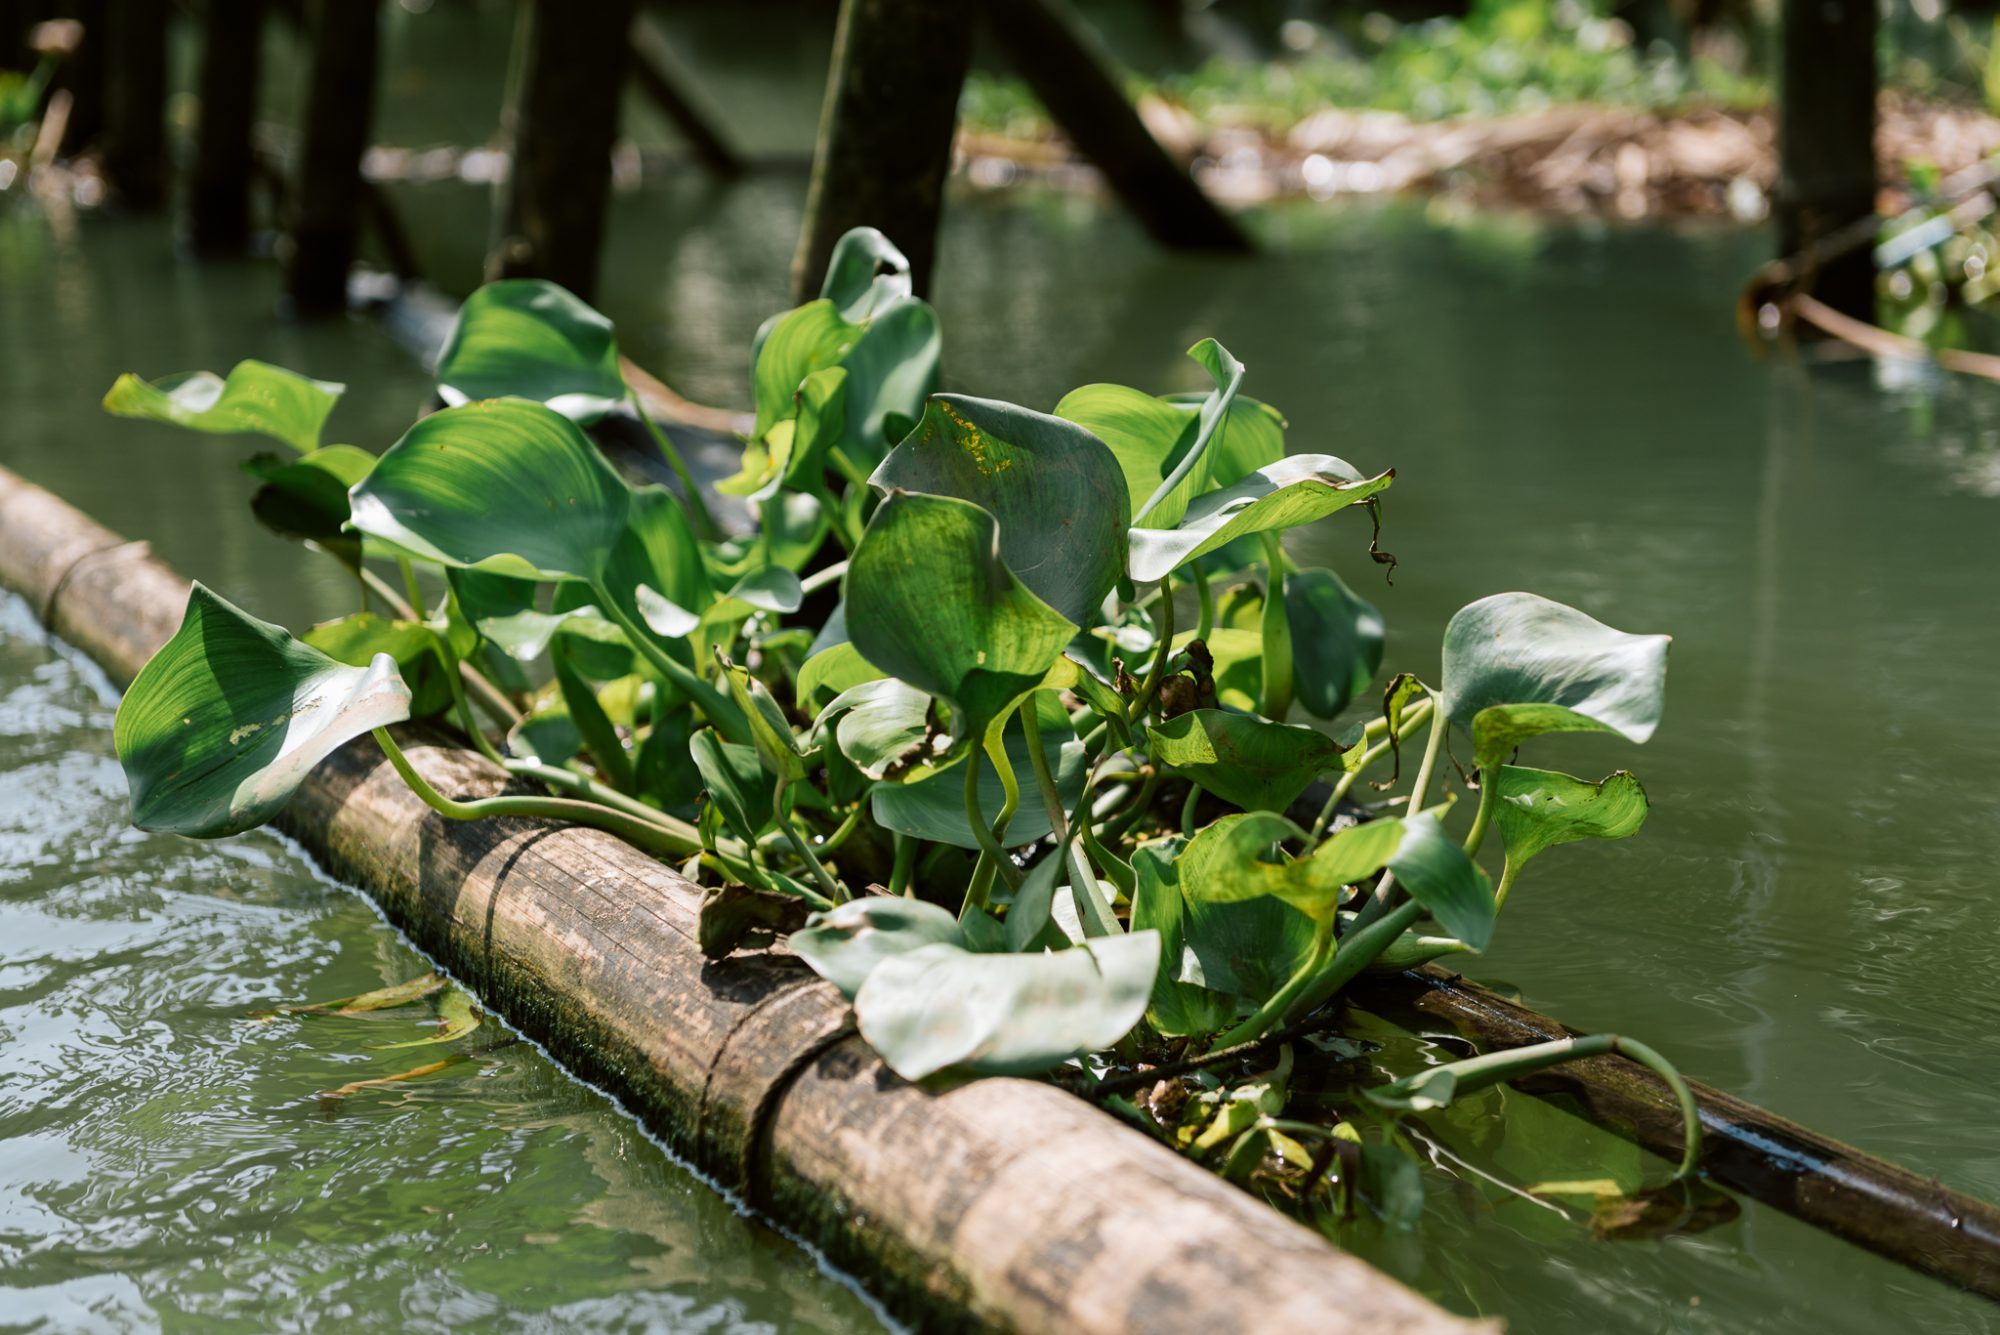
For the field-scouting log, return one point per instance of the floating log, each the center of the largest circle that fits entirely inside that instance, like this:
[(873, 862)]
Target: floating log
[(232, 48), (885, 132), (1078, 85), (564, 120), (999, 1204), (1826, 141), (1868, 1201), (343, 37)]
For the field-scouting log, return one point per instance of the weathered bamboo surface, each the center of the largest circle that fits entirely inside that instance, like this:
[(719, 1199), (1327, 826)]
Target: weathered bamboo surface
[(1868, 1201), (1001, 1204)]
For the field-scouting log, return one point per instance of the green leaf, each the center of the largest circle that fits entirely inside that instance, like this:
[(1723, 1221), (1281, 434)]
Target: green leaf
[(458, 1015), (1237, 657), (1283, 495), (1248, 949), (808, 339), (1145, 434), (1393, 1184), (1336, 640), (933, 807), (930, 601), (771, 733), (942, 1006), (1437, 873), (1164, 505), (844, 944), (865, 274), (1517, 665), (1226, 862), (1054, 488), (1247, 761), (829, 673), (546, 733), (503, 485), (423, 660), (257, 398), (1177, 1008), (1537, 809), (224, 722), (526, 635), (527, 338), (880, 725), (592, 723), (306, 498), (736, 781), (891, 369), (382, 998)]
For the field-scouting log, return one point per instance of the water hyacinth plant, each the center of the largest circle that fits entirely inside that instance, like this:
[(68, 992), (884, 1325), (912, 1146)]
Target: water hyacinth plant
[(1022, 727)]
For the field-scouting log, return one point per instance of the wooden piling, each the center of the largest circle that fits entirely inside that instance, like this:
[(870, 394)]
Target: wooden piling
[(564, 120), (82, 74), (1079, 86), (1827, 83), (1000, 1204), (232, 47), (343, 38), (135, 139), (885, 132)]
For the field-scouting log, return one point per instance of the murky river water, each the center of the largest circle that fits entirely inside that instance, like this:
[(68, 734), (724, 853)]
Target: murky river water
[(1807, 919)]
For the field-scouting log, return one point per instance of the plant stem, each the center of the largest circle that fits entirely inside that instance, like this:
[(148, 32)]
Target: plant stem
[(1188, 805), (410, 585), (819, 579), (992, 857), (1115, 831), (1163, 628), (1204, 625), (1434, 744), (1489, 794), (1280, 1001), (996, 751), (843, 832), (387, 593), (781, 807), (644, 834), (1358, 949), (717, 708), (697, 508), (1276, 626), (1507, 873), (906, 862)]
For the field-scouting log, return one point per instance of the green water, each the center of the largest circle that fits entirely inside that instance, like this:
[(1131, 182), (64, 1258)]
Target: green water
[(1805, 921)]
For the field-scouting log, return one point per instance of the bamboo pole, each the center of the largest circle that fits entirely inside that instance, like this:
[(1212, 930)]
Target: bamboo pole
[(885, 132), (1079, 86), (998, 1204), (564, 120), (1826, 140), (232, 48), (343, 39)]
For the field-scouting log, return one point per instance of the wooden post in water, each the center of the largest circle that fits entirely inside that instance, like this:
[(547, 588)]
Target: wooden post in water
[(232, 44), (342, 37), (135, 140), (1079, 86), (885, 131), (565, 120), (83, 74), (1826, 140)]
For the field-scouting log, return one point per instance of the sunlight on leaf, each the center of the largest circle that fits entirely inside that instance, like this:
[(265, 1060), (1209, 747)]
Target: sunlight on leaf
[(257, 398)]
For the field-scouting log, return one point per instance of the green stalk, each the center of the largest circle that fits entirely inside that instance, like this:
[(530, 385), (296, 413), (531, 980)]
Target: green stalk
[(1276, 688), (843, 832), (716, 707), (1188, 805), (643, 834), (1360, 948), (1274, 1009), (819, 579), (1205, 625), (1115, 831), (1163, 628), (1489, 792), (1083, 884), (992, 857), (411, 588), (1010, 787), (1417, 715), (781, 808), (697, 508), (906, 863), (1507, 873)]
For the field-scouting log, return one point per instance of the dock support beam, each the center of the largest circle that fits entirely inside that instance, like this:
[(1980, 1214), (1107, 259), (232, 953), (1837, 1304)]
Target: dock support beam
[(343, 38), (135, 142), (885, 131), (1078, 85), (565, 120), (1826, 140), (232, 45)]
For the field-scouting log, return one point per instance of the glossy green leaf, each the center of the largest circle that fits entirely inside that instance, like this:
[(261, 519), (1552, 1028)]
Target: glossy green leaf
[(458, 1015), (930, 601), (933, 807), (1247, 761), (942, 1006), (1176, 1008), (1293, 491), (593, 724), (546, 733), (225, 721), (306, 498), (736, 780), (1517, 666), (1336, 640), (1164, 506), (808, 339), (528, 338), (423, 660), (1145, 434), (845, 943), (1055, 489), (1227, 861), (1435, 870), (503, 485), (883, 726), (1247, 948), (526, 635), (777, 747), (256, 398), (1537, 809), (865, 274), (891, 369), (829, 673)]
